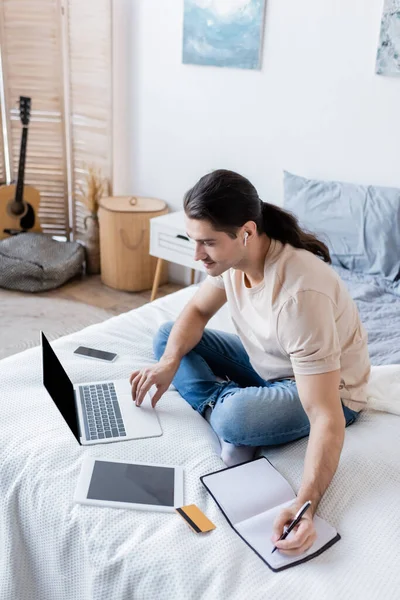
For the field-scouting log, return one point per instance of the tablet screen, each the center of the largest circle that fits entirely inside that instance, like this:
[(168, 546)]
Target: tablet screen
[(141, 484)]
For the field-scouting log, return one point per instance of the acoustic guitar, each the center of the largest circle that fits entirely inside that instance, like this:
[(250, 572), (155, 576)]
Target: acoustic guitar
[(19, 204)]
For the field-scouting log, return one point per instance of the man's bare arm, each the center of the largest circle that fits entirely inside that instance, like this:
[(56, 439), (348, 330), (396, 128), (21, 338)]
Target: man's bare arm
[(184, 335), (320, 397), (189, 326)]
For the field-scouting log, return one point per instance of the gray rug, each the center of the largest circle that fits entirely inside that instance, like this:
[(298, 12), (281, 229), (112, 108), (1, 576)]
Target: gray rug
[(22, 316)]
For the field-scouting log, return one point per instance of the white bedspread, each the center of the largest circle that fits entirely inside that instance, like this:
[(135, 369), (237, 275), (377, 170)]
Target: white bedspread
[(53, 549)]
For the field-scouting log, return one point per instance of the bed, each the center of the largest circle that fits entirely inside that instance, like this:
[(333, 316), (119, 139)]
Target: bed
[(53, 549)]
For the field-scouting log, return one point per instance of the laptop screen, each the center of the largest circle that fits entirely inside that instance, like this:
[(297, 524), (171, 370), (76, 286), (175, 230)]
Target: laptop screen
[(59, 386)]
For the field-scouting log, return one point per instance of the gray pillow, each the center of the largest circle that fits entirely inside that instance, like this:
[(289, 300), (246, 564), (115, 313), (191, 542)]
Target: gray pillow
[(34, 262), (360, 224)]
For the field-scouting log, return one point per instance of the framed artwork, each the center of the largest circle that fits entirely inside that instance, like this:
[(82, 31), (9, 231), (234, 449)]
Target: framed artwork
[(388, 56), (223, 33)]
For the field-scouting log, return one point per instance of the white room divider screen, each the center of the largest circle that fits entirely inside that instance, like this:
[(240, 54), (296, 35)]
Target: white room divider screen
[(59, 53)]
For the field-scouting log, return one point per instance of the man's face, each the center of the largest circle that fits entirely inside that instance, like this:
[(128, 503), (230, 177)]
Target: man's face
[(217, 251)]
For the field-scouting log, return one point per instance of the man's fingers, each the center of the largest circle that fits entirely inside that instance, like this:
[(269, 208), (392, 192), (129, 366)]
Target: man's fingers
[(133, 375), (141, 381), (284, 518), (297, 538), (145, 384), (135, 383), (157, 395), (296, 550)]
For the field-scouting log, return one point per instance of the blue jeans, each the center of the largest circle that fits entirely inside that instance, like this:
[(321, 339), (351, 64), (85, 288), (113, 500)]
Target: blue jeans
[(247, 409)]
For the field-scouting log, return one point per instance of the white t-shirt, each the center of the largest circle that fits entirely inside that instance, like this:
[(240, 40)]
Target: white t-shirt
[(301, 320)]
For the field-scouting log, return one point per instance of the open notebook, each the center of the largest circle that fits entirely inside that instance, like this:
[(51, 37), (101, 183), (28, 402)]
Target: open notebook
[(250, 495)]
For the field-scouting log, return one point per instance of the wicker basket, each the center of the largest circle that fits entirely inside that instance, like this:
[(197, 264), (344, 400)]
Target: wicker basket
[(125, 240)]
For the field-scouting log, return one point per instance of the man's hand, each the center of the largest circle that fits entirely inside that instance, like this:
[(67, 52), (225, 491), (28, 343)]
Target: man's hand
[(160, 375), (300, 539)]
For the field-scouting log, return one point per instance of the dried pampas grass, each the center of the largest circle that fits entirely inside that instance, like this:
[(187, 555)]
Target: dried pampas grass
[(94, 188)]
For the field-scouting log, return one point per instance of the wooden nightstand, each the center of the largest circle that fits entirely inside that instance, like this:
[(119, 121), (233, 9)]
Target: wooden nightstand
[(168, 241)]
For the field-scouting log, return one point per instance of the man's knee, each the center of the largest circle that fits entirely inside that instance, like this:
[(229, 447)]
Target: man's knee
[(161, 338), (226, 418)]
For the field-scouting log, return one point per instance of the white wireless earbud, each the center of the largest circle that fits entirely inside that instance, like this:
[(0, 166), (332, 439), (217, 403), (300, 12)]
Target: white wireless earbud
[(246, 235)]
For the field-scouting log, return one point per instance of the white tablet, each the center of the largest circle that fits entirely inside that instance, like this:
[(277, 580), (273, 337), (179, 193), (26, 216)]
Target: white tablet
[(120, 484)]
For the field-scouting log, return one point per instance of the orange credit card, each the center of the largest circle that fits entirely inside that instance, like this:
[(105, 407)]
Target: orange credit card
[(195, 518)]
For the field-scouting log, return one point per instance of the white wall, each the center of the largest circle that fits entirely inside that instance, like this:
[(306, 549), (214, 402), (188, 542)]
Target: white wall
[(316, 108)]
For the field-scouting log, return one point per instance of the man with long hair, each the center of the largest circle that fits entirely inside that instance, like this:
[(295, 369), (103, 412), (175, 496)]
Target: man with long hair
[(298, 365)]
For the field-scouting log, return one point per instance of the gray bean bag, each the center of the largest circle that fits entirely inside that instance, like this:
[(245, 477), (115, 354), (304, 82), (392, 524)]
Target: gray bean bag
[(33, 262)]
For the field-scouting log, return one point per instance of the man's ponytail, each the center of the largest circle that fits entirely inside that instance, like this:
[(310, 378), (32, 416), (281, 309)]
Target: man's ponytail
[(282, 225)]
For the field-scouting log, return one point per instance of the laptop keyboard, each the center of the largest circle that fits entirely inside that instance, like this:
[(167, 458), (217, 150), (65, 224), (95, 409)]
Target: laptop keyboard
[(101, 412)]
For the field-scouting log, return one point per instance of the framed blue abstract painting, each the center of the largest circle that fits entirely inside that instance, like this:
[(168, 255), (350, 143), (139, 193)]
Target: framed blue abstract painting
[(223, 33), (388, 57)]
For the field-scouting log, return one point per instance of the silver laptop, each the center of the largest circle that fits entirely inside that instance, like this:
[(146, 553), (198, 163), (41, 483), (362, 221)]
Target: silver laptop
[(97, 412)]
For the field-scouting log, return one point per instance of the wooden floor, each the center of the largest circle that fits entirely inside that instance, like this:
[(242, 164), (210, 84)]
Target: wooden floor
[(90, 290)]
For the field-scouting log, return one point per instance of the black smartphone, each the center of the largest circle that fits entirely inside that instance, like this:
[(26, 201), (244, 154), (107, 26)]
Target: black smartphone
[(96, 354)]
